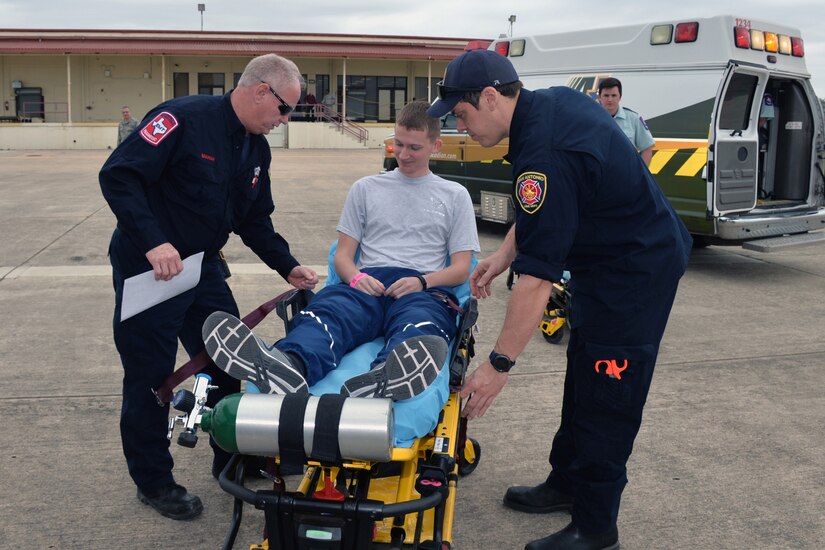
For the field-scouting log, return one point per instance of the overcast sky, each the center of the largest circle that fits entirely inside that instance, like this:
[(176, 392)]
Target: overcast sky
[(444, 18)]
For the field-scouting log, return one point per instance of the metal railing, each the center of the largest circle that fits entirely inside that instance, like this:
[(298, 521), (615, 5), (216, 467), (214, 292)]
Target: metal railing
[(43, 109), (321, 113)]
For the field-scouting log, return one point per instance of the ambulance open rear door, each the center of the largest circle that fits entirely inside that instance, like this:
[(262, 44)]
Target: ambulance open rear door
[(734, 154)]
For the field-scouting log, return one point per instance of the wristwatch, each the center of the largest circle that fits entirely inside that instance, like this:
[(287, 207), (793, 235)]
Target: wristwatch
[(501, 362)]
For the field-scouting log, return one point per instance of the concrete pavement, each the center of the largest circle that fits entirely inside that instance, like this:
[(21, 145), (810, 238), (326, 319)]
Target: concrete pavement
[(730, 454)]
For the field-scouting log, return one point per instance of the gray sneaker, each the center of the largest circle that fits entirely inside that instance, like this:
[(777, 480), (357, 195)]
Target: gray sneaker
[(242, 355), (410, 368)]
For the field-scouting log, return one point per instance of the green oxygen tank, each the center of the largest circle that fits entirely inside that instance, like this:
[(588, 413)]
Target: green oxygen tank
[(220, 422), (353, 427)]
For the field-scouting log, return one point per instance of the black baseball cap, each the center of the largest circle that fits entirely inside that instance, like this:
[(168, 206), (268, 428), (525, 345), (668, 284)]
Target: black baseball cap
[(471, 71)]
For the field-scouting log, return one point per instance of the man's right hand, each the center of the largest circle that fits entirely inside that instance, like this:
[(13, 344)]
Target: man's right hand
[(482, 276), (165, 261), (370, 285)]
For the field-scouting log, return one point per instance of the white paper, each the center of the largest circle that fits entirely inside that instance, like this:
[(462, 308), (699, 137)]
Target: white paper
[(142, 291)]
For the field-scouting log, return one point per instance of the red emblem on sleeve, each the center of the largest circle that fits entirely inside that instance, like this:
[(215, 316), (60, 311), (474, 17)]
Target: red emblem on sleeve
[(158, 128), (531, 188)]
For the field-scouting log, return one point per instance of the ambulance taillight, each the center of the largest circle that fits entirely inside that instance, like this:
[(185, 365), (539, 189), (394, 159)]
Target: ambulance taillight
[(784, 44), (757, 40), (797, 47), (771, 42), (742, 37), (687, 32), (503, 47), (661, 34)]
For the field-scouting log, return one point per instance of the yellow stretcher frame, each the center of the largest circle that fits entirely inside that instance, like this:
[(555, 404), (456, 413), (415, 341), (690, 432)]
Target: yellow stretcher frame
[(415, 505)]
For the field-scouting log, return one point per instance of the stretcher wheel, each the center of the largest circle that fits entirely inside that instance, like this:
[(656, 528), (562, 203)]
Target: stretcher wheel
[(554, 338), (469, 458)]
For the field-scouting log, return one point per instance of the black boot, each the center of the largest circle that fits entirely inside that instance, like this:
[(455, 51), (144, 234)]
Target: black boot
[(172, 501), (570, 538), (540, 499)]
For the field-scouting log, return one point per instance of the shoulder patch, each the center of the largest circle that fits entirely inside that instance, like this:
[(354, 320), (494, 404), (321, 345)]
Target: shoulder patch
[(642, 120), (159, 127), (531, 188)]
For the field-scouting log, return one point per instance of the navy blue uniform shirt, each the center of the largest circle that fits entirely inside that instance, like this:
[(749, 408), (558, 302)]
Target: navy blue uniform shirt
[(585, 201), (182, 178)]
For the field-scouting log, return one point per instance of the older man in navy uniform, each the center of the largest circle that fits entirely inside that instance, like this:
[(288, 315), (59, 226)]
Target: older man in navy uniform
[(196, 170), (584, 201)]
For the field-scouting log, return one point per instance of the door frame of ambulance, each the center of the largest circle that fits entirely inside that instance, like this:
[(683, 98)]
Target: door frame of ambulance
[(735, 139)]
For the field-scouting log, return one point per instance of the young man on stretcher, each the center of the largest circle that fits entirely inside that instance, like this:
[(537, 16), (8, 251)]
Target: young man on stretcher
[(408, 224)]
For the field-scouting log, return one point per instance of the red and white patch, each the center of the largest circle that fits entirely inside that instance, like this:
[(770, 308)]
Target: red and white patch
[(159, 128), (531, 188)]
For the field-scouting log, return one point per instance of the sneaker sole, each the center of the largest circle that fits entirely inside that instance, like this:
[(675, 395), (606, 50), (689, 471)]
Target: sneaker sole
[(236, 351), (411, 367)]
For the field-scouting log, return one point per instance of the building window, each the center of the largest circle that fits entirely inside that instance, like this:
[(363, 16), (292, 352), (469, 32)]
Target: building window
[(181, 84), (236, 77), (211, 84), (421, 92), (374, 98), (321, 86)]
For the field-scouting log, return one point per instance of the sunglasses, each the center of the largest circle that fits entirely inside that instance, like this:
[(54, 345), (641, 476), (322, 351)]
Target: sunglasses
[(443, 90), (285, 108)]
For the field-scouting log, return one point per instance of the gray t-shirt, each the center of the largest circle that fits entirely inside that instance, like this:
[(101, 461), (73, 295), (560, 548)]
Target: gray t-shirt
[(415, 223)]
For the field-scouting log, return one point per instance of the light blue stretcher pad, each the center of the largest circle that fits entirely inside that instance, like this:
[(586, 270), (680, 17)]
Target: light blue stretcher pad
[(414, 417)]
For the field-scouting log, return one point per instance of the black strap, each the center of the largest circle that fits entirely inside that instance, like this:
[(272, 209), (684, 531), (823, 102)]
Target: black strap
[(291, 429), (327, 421)]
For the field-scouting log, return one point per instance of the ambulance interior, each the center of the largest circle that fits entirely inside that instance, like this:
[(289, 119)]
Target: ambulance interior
[(786, 133)]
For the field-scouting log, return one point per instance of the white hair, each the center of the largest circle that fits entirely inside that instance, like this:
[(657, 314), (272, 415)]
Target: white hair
[(273, 69)]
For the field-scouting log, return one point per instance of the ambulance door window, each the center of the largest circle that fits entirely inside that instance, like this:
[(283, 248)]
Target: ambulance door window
[(736, 150), (736, 107)]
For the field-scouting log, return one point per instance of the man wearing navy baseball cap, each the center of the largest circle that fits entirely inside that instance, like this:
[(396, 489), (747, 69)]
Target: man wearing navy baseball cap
[(471, 72), (584, 201)]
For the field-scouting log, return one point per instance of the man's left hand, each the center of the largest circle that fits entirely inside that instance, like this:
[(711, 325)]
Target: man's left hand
[(482, 387), (302, 277), (403, 286)]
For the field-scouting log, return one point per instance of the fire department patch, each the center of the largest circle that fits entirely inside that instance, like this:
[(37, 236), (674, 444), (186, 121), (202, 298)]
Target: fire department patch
[(531, 187), (158, 128)]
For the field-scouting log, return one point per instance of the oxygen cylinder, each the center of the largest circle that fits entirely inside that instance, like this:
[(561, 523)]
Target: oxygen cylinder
[(266, 424)]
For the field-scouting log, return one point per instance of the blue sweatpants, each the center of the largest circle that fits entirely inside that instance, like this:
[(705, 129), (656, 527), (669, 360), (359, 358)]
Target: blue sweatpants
[(341, 318)]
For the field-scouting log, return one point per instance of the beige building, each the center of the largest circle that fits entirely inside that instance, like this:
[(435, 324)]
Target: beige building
[(65, 88)]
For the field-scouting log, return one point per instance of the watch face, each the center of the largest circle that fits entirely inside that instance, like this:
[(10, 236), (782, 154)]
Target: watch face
[(502, 363)]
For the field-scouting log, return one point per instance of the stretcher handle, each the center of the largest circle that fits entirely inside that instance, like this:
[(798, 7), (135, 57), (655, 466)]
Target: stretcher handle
[(300, 504)]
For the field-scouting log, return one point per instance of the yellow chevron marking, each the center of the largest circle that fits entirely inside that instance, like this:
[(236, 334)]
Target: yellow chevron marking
[(695, 163), (659, 160), (668, 144)]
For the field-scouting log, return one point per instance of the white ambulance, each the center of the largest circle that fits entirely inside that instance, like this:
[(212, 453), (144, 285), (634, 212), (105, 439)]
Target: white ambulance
[(700, 85)]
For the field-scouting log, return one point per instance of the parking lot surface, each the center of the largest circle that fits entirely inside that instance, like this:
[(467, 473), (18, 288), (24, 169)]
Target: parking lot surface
[(730, 454)]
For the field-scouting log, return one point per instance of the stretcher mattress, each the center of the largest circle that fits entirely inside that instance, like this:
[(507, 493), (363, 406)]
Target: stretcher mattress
[(414, 417)]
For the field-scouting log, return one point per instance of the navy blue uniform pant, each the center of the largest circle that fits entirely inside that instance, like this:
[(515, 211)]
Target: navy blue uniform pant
[(609, 371), (341, 318), (148, 345)]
